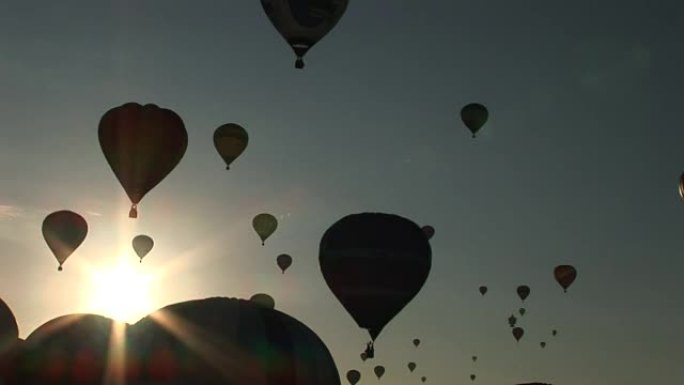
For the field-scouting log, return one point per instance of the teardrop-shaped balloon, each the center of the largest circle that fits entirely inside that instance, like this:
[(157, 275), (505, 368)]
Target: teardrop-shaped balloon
[(412, 366), (9, 330), (554, 332), (364, 356), (565, 275), (230, 141), (423, 379), (522, 311), (304, 23), (374, 264), (379, 371), (429, 231), (474, 358), (264, 225), (142, 244), (284, 261), (542, 344), (474, 116), (518, 332), (472, 377), (512, 320), (353, 376), (416, 342), (523, 292), (64, 231), (264, 300), (483, 290), (142, 145)]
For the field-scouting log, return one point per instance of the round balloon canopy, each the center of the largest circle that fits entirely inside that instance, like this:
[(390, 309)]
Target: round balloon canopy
[(523, 292), (374, 264), (304, 22), (264, 300), (379, 371), (9, 330), (565, 275), (483, 290), (518, 332), (412, 366), (142, 244), (264, 224), (474, 116), (353, 376), (230, 141), (142, 145), (64, 231), (284, 261)]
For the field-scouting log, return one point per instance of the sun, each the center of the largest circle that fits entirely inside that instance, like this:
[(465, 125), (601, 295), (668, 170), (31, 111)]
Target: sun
[(121, 292)]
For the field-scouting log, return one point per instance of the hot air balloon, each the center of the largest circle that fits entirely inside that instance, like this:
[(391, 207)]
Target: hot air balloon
[(264, 300), (565, 275), (379, 371), (523, 292), (284, 261), (142, 244), (474, 116), (64, 231), (264, 225), (472, 377), (512, 320), (230, 141), (554, 332), (542, 344), (374, 264), (474, 358), (522, 311), (429, 231), (353, 376), (416, 342), (304, 22), (412, 366), (518, 332), (423, 379), (364, 356), (142, 145), (483, 290), (9, 330)]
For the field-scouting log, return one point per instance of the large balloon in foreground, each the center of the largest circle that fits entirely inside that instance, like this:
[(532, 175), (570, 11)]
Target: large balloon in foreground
[(523, 291), (9, 330), (379, 371), (374, 264), (264, 225), (483, 290), (518, 332), (412, 366), (284, 261), (304, 22), (353, 376), (64, 231), (142, 244), (565, 275), (230, 141), (474, 116), (142, 145)]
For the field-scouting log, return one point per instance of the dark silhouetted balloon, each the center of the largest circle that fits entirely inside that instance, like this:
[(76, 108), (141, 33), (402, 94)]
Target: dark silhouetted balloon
[(304, 22), (474, 116), (429, 231), (483, 290), (284, 261), (64, 231), (379, 371), (416, 342), (423, 379), (554, 332), (542, 344), (142, 145), (412, 366), (230, 141), (522, 311), (142, 244), (264, 300), (523, 292), (565, 275), (474, 358), (264, 224), (353, 376), (9, 330), (472, 377), (518, 332), (364, 356), (374, 264), (512, 320)]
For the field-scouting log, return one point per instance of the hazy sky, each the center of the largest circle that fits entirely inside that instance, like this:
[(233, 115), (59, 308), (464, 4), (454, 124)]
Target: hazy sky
[(579, 163)]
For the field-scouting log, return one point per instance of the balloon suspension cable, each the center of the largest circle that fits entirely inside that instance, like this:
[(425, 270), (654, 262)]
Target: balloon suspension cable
[(134, 211), (299, 64)]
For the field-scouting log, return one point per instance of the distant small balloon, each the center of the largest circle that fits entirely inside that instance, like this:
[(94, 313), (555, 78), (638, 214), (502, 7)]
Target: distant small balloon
[(64, 231), (522, 311), (416, 342), (379, 371), (474, 116), (518, 332), (423, 378), (264, 300), (142, 244), (543, 344), (364, 356), (474, 358), (554, 332), (412, 366), (284, 261), (512, 320), (230, 141), (353, 376), (565, 275), (429, 231), (483, 290), (523, 291), (264, 224), (472, 377)]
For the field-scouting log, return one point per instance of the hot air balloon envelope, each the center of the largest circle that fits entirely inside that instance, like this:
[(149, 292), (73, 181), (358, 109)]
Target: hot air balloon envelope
[(64, 231), (230, 141)]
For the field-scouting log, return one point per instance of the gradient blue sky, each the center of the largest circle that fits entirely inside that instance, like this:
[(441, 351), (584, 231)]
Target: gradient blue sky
[(578, 164)]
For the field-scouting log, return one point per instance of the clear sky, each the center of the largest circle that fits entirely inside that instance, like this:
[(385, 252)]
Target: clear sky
[(579, 164)]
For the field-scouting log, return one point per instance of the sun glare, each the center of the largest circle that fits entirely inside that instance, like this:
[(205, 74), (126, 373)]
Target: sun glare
[(121, 292)]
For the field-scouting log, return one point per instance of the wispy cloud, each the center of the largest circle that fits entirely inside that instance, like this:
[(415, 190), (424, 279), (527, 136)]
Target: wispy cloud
[(10, 212)]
